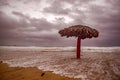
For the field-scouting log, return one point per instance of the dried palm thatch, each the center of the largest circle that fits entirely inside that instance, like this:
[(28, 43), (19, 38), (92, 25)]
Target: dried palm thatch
[(79, 30)]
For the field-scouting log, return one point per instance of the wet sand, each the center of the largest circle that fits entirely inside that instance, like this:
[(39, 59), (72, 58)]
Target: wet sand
[(28, 73)]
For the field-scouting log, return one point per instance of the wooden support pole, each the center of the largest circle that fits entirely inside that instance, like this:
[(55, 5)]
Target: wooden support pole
[(78, 47)]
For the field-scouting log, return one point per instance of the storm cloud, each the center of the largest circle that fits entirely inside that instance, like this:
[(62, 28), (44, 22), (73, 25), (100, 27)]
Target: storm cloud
[(37, 22)]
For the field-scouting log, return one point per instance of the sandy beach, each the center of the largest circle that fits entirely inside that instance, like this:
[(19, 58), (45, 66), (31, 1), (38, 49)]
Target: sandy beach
[(29, 73), (31, 63)]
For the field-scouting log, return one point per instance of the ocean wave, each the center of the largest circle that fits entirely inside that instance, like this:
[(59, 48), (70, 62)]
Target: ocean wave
[(47, 49)]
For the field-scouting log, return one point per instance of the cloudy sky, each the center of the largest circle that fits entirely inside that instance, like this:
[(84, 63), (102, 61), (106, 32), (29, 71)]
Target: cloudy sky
[(37, 22)]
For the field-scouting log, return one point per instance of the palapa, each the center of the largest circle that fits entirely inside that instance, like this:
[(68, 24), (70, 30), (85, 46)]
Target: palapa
[(81, 32)]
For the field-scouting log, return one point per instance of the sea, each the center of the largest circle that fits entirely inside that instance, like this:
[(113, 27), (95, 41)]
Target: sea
[(96, 63)]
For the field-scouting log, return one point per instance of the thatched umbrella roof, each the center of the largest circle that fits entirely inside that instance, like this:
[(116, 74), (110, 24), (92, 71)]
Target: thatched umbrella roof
[(79, 30)]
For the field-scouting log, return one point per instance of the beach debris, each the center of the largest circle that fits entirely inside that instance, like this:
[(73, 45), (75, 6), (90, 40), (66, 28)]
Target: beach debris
[(42, 74), (1, 62), (81, 32)]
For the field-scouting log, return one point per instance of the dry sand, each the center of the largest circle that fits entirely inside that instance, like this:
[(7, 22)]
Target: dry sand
[(29, 73)]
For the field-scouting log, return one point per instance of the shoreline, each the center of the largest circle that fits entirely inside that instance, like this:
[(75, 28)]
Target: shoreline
[(28, 73), (93, 65)]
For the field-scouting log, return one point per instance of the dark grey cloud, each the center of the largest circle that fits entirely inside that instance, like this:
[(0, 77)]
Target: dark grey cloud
[(20, 15), (4, 3), (8, 28), (19, 32), (56, 8), (108, 23), (6, 25)]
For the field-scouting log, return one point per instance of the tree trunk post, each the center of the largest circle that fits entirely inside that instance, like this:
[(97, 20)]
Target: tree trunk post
[(78, 47)]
